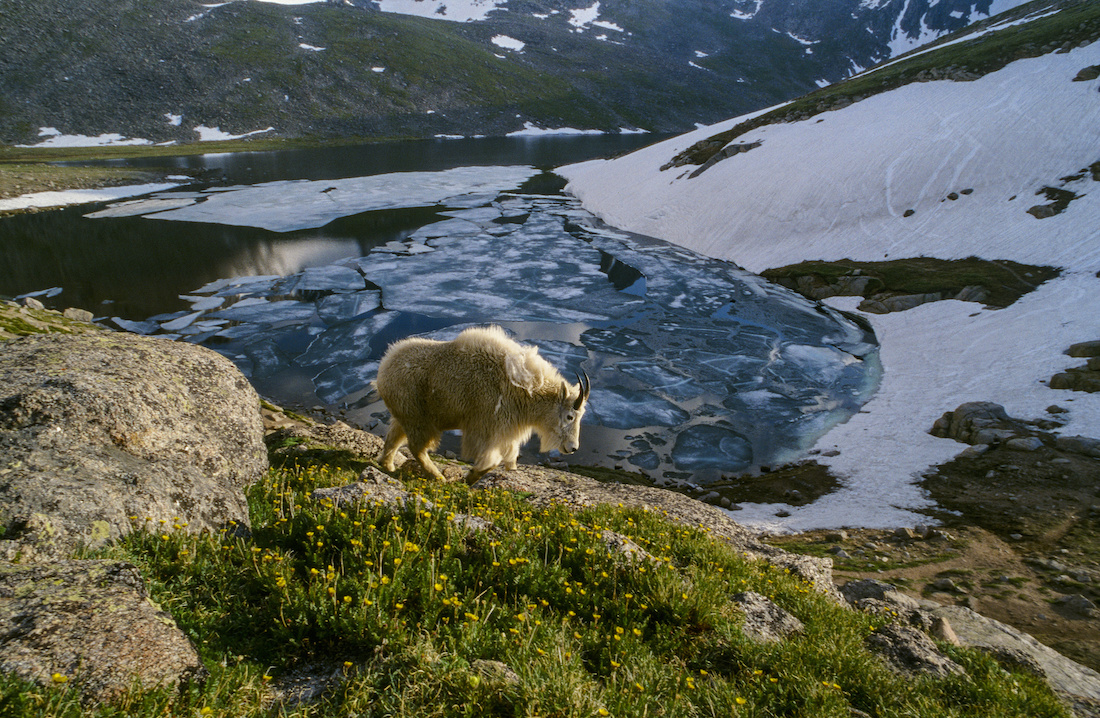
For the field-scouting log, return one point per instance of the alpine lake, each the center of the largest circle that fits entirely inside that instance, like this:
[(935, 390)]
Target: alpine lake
[(302, 266)]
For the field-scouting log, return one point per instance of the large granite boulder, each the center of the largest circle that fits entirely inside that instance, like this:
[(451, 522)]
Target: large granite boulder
[(103, 432), (91, 625)]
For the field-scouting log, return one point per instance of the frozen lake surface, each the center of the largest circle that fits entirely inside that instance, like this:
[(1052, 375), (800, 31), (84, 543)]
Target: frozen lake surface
[(699, 368)]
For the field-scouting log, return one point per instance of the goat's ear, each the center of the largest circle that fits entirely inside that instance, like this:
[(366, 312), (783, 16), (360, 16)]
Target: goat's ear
[(564, 393)]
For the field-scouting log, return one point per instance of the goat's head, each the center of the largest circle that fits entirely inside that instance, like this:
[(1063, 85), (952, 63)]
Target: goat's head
[(572, 401)]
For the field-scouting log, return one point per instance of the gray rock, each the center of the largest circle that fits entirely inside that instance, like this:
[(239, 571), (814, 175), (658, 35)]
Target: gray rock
[(983, 423), (623, 546), (79, 315), (1069, 679), (1077, 379), (102, 432), (1078, 605), (941, 630), (946, 585), (765, 622), (1079, 445), (992, 436), (853, 591), (873, 306), (973, 293), (31, 303), (855, 286), (373, 486), (91, 622), (908, 301), (910, 652), (495, 672), (1024, 443), (971, 452), (307, 683), (1084, 349)]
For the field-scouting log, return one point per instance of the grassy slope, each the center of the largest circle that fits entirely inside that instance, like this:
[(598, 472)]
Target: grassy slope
[(401, 604)]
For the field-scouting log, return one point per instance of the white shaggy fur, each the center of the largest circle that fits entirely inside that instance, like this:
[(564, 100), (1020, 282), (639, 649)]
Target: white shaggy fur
[(497, 392)]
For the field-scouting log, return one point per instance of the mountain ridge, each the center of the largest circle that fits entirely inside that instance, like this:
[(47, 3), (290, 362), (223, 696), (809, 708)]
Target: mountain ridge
[(158, 69)]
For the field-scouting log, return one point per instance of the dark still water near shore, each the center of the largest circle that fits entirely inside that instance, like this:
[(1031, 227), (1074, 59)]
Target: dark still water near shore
[(303, 266)]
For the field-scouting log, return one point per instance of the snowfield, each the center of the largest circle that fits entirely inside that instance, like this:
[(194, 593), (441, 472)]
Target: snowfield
[(965, 161)]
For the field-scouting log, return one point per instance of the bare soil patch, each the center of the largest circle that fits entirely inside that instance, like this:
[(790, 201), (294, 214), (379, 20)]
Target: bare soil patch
[(1017, 540)]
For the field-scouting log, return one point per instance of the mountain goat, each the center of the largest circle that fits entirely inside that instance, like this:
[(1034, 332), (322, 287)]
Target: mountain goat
[(494, 390)]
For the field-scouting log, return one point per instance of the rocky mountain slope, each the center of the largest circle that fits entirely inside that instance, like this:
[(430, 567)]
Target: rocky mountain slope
[(159, 69)]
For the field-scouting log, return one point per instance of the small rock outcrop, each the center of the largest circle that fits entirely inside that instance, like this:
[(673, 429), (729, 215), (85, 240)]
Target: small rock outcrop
[(1075, 683), (100, 432), (983, 424), (1080, 378), (765, 622), (89, 622), (909, 651)]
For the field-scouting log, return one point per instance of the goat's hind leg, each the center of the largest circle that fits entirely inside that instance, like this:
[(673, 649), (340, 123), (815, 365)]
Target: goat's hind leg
[(420, 444), (483, 465), (395, 439)]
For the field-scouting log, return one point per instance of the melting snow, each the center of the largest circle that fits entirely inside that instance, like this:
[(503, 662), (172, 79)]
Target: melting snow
[(454, 10), (839, 185), (532, 130), (508, 43), (80, 196)]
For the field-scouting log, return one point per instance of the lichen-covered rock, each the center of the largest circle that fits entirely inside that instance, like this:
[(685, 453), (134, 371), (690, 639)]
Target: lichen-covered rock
[(103, 431), (909, 651), (1071, 680), (91, 623), (765, 622)]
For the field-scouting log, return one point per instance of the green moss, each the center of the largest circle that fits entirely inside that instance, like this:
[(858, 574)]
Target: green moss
[(1005, 281)]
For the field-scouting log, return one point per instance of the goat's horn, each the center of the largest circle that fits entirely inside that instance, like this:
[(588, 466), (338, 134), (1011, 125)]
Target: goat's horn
[(585, 385)]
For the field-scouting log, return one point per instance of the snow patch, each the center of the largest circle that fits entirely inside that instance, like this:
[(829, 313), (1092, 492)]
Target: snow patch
[(54, 138), (582, 17), (81, 196), (739, 14), (453, 10), (532, 130), (214, 134), (508, 43)]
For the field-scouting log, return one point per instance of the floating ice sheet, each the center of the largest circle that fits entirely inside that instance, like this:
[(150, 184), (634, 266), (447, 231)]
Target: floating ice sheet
[(303, 204)]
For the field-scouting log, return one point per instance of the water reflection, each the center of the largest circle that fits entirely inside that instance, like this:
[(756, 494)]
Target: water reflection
[(135, 268), (544, 152)]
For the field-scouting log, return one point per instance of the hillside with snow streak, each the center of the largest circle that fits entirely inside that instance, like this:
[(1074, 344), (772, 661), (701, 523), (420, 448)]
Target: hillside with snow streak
[(940, 169)]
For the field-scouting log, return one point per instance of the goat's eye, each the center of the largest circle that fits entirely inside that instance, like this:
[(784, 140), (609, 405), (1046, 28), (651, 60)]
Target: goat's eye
[(570, 416)]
